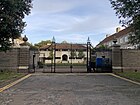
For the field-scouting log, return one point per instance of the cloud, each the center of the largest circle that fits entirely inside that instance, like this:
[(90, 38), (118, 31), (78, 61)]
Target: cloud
[(53, 6), (70, 20)]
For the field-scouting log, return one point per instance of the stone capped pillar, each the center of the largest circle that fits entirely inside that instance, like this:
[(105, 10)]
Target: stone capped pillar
[(23, 59), (116, 58), (24, 56)]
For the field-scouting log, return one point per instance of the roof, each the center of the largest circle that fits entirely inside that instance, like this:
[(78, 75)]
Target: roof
[(65, 46), (116, 35)]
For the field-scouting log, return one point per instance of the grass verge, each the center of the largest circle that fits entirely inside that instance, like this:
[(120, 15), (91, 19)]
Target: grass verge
[(135, 76), (8, 77)]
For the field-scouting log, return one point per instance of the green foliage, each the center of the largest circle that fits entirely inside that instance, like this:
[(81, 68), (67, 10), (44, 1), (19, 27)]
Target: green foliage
[(101, 47), (32, 47), (43, 43), (128, 12), (7, 77), (73, 54), (51, 54), (64, 42), (12, 13), (130, 75), (81, 54)]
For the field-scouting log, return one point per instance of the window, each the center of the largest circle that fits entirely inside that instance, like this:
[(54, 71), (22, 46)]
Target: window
[(57, 57), (110, 43), (121, 40), (64, 49), (106, 44), (126, 39), (57, 49), (118, 40)]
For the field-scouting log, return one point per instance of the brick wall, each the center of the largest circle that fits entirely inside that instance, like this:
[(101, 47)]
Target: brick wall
[(16, 59), (8, 60), (23, 59), (131, 59), (125, 59)]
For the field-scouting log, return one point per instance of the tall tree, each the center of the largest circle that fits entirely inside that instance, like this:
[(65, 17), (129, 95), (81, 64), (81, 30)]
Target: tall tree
[(43, 43), (128, 12), (12, 13)]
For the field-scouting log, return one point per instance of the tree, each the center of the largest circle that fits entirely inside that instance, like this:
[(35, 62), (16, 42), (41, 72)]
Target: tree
[(81, 54), (64, 42), (32, 47), (12, 13), (128, 12), (102, 48), (43, 43), (73, 54), (51, 54)]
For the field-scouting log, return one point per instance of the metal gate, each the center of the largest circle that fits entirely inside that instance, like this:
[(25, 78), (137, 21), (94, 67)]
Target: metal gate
[(65, 58), (103, 61), (73, 58)]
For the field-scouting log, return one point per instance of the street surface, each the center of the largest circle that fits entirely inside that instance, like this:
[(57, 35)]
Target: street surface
[(63, 69), (72, 89)]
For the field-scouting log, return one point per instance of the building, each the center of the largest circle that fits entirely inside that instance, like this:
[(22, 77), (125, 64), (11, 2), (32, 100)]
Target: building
[(122, 39), (65, 53)]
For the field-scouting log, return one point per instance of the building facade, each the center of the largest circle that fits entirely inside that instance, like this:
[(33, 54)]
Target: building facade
[(122, 39), (64, 53)]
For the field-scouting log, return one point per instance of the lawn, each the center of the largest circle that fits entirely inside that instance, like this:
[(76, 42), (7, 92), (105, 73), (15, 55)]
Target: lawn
[(7, 77), (131, 75)]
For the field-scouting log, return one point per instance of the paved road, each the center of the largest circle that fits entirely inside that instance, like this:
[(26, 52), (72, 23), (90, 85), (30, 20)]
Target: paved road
[(63, 69), (63, 89)]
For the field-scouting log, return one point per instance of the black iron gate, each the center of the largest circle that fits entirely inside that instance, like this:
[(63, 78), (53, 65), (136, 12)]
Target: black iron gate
[(103, 61), (65, 57)]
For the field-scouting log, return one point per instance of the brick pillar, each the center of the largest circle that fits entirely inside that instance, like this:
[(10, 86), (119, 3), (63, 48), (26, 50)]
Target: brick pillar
[(23, 59), (116, 58)]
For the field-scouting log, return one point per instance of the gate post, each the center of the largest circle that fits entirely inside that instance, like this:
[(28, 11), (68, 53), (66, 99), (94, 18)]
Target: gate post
[(88, 56), (71, 59), (54, 52), (23, 56), (116, 57), (34, 62)]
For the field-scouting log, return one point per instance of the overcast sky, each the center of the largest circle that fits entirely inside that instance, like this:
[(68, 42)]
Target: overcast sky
[(70, 20)]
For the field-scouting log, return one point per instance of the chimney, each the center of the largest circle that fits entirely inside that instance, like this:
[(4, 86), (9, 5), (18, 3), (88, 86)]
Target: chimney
[(118, 29)]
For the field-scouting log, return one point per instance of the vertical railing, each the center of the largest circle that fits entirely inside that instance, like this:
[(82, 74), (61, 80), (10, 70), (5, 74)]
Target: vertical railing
[(71, 60), (54, 54), (88, 56)]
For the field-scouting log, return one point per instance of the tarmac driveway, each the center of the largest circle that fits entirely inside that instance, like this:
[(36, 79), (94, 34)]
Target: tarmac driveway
[(72, 89)]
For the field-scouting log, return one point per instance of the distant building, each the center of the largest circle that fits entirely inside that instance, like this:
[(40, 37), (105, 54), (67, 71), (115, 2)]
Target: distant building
[(122, 39), (63, 53)]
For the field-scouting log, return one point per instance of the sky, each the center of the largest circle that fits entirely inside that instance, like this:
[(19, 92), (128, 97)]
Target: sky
[(70, 20)]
